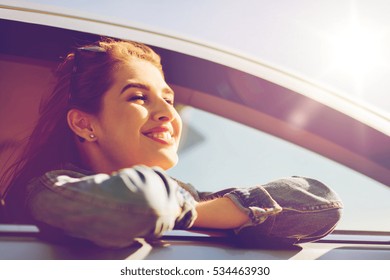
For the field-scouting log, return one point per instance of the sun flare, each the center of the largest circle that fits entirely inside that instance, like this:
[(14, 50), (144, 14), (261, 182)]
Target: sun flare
[(356, 53)]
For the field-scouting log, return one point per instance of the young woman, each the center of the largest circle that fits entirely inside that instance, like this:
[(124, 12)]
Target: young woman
[(94, 165)]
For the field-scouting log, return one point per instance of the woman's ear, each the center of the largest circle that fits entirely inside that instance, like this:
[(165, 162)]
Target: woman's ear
[(81, 125)]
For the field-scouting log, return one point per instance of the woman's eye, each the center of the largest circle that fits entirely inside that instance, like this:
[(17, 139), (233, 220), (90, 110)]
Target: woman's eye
[(169, 101), (138, 98)]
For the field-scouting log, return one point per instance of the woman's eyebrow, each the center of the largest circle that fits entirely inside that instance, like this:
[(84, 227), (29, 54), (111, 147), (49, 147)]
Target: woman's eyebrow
[(135, 85), (168, 90)]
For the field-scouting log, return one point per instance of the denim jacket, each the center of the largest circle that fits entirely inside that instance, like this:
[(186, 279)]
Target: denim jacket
[(112, 210)]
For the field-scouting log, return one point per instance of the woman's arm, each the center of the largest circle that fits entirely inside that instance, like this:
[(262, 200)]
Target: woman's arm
[(281, 213), (220, 213), (110, 210)]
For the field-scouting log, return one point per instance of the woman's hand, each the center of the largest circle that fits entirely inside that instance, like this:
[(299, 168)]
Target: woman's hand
[(219, 213)]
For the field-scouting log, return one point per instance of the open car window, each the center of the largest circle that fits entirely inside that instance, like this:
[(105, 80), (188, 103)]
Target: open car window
[(266, 100), (239, 129)]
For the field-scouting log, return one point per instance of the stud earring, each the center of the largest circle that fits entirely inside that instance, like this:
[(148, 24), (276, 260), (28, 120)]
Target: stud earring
[(92, 136)]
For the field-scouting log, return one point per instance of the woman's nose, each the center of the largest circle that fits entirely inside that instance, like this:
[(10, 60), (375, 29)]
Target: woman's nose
[(164, 111)]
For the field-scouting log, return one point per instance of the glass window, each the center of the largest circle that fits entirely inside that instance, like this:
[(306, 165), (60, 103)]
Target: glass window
[(217, 153)]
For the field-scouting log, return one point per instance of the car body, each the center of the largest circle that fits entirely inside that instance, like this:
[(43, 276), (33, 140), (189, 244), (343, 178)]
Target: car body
[(271, 104)]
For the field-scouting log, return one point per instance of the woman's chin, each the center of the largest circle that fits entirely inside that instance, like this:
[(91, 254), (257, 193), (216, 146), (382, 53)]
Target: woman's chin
[(167, 162)]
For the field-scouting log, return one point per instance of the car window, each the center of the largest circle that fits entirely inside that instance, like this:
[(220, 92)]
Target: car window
[(216, 153)]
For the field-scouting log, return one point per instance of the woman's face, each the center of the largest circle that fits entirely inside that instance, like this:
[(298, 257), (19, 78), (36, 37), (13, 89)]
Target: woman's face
[(138, 123)]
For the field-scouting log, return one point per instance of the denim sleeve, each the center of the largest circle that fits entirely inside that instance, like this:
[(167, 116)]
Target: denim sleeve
[(110, 210), (286, 211)]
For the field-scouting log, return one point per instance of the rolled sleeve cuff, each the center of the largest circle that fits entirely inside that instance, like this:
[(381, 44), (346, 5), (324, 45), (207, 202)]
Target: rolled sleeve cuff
[(255, 202)]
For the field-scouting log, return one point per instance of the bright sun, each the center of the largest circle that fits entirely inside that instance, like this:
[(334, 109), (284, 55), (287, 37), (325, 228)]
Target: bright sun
[(356, 53)]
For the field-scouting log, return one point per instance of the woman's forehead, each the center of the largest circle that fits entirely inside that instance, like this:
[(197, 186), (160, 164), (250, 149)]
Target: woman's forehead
[(136, 67), (138, 73)]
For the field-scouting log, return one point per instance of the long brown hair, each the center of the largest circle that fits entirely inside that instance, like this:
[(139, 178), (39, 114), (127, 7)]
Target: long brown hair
[(83, 78)]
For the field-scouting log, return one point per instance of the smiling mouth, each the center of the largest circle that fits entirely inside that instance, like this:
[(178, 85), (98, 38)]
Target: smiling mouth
[(161, 137)]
